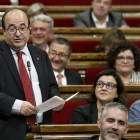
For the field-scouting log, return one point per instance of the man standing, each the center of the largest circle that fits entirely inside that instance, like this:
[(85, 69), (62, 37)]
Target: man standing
[(99, 16), (113, 122), (60, 55), (42, 31), (16, 97)]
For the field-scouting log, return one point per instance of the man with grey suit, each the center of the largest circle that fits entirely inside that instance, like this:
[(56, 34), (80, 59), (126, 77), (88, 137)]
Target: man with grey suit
[(100, 17)]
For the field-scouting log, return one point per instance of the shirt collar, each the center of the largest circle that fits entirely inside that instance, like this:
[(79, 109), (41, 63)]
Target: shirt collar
[(24, 50), (96, 20), (62, 73)]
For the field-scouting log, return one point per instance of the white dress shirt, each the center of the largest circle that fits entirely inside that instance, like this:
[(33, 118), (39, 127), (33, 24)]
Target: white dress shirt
[(64, 79), (97, 23), (47, 48), (35, 82)]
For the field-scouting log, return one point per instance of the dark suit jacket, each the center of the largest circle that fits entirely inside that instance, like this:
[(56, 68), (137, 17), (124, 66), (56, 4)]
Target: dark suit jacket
[(84, 19), (86, 114), (13, 127), (73, 78), (97, 138)]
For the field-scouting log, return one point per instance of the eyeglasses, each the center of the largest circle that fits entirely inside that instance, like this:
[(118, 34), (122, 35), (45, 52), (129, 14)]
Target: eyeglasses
[(61, 55), (128, 58), (109, 85), (12, 29)]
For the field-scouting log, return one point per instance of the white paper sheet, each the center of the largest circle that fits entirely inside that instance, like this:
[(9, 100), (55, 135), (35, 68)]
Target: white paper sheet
[(52, 103)]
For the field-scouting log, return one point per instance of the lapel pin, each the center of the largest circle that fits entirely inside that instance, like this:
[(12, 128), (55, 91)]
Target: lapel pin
[(37, 58)]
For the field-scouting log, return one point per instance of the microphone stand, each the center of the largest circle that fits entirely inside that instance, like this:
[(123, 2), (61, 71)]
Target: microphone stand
[(29, 69)]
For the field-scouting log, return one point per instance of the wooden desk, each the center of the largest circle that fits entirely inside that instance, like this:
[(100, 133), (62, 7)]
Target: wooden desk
[(74, 132), (132, 90)]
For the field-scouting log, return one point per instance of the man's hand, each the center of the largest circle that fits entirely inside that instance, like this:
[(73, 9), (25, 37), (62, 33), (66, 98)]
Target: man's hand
[(124, 26), (58, 108), (27, 109)]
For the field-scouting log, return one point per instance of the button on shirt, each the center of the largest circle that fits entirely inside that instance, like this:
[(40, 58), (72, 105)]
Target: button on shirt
[(64, 80), (35, 82), (98, 24)]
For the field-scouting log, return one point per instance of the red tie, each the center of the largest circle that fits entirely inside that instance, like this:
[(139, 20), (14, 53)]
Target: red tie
[(26, 83), (59, 76)]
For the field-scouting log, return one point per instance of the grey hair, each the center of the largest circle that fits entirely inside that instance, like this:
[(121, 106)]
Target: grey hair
[(63, 41), (44, 18), (114, 105), (36, 9)]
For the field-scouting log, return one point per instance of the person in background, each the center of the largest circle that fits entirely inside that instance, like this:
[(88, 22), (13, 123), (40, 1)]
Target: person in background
[(99, 16), (111, 36), (124, 57), (113, 122), (36, 9), (108, 87), (17, 112), (42, 31), (134, 112), (60, 55)]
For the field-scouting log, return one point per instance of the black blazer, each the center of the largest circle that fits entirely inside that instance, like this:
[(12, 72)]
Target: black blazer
[(73, 78), (14, 126), (84, 19), (87, 114)]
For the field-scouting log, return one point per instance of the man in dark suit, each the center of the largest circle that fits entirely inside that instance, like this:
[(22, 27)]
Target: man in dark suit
[(14, 106), (99, 16), (113, 122), (60, 54)]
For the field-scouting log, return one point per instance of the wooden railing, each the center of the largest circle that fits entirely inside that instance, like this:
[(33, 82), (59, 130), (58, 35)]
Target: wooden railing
[(75, 132)]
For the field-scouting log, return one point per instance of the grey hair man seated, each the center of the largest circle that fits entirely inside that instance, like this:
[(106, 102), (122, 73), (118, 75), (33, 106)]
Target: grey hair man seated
[(113, 122), (42, 31)]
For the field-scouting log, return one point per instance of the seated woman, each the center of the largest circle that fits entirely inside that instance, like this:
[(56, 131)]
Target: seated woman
[(124, 57), (111, 36), (108, 87)]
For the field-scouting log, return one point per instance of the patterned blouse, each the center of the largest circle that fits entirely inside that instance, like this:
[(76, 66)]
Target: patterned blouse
[(135, 77)]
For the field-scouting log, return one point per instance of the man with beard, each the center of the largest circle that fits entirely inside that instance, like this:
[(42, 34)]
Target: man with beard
[(42, 31), (60, 54), (113, 122)]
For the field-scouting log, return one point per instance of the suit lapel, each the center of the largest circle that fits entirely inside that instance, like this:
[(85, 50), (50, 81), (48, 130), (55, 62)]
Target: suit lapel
[(7, 55), (91, 22), (94, 114), (69, 78)]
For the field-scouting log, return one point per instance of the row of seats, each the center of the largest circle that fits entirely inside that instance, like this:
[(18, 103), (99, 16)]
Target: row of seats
[(68, 22), (133, 92), (77, 2), (71, 2)]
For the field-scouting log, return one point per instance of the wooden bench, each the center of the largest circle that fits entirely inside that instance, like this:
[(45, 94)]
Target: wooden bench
[(75, 132)]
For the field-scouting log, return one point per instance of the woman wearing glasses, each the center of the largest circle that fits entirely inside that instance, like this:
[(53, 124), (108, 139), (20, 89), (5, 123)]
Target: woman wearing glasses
[(124, 57), (108, 87)]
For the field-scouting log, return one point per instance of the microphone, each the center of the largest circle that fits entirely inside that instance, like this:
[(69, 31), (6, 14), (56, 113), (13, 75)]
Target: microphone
[(29, 69)]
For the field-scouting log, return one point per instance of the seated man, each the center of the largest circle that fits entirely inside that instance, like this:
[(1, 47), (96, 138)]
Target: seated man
[(134, 112), (113, 122), (99, 16), (60, 54), (42, 31)]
